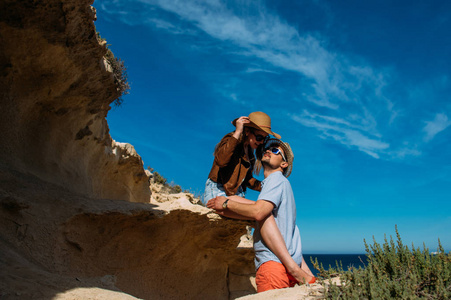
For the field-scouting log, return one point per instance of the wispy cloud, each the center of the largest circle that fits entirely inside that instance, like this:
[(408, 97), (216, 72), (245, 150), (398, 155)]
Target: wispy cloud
[(265, 36), (255, 70), (343, 132), (345, 95), (435, 126)]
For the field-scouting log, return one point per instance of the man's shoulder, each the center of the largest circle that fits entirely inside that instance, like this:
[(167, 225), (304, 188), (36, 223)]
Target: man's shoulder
[(275, 179), (276, 176)]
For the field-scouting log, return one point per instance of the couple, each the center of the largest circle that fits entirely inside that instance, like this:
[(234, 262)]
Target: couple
[(277, 242)]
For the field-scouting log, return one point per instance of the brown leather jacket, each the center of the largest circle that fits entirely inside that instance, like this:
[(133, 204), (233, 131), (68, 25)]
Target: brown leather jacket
[(231, 168)]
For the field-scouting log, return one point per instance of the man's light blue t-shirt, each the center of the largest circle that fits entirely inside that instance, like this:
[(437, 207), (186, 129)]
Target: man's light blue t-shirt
[(277, 189)]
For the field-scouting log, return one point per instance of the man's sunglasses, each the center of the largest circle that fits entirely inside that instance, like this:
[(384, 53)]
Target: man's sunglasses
[(276, 151)]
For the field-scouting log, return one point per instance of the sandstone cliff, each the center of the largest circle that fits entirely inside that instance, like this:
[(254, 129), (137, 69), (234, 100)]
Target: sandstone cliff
[(55, 94), (77, 219), (54, 243)]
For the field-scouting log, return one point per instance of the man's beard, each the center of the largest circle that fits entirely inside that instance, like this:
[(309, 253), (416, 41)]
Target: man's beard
[(267, 165)]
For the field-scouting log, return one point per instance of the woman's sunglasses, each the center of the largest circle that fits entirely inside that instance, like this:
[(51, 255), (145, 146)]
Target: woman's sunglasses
[(260, 138), (276, 151)]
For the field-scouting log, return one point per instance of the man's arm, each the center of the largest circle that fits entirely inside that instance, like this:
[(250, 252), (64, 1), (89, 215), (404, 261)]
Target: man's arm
[(273, 239), (230, 214), (258, 210), (262, 212)]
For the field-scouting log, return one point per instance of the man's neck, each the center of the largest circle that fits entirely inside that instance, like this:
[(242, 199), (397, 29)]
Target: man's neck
[(268, 171)]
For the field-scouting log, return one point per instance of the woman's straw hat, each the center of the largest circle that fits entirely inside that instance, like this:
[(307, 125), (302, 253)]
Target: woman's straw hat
[(260, 121), (287, 152)]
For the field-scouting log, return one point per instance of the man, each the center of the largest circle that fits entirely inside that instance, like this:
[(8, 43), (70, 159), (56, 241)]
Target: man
[(276, 198)]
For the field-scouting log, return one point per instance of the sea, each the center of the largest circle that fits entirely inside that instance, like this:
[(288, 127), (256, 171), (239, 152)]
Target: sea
[(347, 260)]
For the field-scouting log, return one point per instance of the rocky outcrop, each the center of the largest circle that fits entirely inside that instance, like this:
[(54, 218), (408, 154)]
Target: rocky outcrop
[(55, 94), (54, 242), (77, 219)]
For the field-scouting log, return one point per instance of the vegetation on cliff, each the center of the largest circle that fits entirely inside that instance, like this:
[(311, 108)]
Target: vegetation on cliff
[(170, 188), (393, 272), (119, 73)]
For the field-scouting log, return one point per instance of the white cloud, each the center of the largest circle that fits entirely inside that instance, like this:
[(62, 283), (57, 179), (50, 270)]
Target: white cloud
[(405, 152), (435, 126), (255, 70), (265, 36), (348, 93), (343, 132)]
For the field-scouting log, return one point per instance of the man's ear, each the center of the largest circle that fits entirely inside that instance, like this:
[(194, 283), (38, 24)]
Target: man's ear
[(284, 164)]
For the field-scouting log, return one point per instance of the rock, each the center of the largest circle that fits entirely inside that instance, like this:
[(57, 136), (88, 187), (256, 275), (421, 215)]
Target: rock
[(76, 220), (168, 250), (305, 292), (55, 92)]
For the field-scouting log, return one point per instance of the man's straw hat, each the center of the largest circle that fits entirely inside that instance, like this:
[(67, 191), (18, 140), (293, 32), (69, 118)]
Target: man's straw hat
[(287, 152), (260, 121)]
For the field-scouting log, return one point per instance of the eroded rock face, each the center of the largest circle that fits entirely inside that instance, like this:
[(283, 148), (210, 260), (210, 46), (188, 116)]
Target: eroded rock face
[(53, 241), (65, 231), (55, 94)]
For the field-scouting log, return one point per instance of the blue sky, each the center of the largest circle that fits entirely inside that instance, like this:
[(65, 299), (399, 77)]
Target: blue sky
[(360, 89)]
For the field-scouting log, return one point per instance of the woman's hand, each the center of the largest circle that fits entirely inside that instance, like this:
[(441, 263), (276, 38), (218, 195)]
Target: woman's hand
[(240, 126)]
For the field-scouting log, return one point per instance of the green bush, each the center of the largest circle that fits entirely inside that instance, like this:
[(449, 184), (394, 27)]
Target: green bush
[(170, 188), (157, 178), (175, 189), (393, 271), (119, 73)]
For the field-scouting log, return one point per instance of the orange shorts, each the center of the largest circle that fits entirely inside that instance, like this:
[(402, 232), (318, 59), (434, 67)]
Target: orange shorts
[(272, 275)]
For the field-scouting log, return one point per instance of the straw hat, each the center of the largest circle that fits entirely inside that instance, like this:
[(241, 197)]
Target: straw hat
[(261, 121), (287, 152)]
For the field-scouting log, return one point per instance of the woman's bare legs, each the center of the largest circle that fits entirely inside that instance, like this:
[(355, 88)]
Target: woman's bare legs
[(275, 242)]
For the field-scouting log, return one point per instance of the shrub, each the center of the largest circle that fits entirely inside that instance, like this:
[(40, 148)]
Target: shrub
[(157, 178), (176, 189), (120, 76), (170, 188), (393, 272), (119, 73)]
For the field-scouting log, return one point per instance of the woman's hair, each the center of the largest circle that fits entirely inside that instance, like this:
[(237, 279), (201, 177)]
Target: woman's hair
[(246, 130), (258, 161)]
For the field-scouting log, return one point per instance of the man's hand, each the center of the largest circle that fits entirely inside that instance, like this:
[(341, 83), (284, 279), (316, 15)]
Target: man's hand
[(216, 203)]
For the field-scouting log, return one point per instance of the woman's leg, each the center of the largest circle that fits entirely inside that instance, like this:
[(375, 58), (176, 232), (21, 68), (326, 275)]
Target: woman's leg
[(212, 189)]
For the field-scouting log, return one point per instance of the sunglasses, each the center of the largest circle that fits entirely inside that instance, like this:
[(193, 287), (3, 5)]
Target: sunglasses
[(276, 151), (260, 138)]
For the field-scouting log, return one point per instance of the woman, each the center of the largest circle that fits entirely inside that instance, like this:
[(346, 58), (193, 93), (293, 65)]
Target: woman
[(231, 174), (234, 161)]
